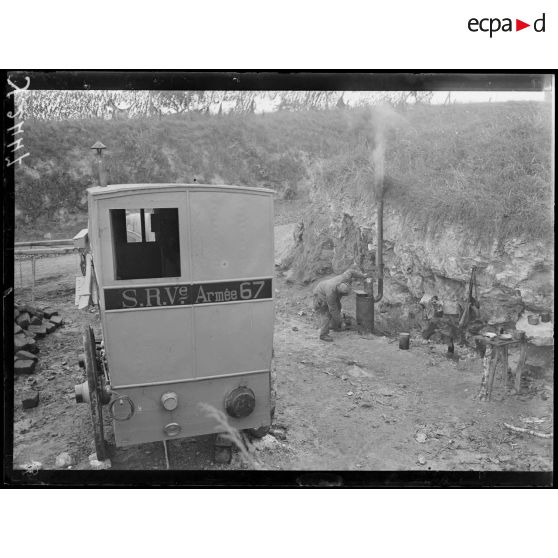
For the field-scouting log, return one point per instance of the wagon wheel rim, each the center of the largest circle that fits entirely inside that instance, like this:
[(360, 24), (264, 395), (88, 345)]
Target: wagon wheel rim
[(264, 430), (93, 383)]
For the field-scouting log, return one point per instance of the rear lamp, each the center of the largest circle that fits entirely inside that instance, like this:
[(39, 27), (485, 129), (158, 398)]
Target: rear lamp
[(122, 408), (169, 400), (240, 402), (172, 429)]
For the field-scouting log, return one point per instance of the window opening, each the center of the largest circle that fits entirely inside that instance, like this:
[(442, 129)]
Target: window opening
[(145, 242)]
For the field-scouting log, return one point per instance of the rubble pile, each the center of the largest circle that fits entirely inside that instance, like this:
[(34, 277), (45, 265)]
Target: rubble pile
[(31, 322)]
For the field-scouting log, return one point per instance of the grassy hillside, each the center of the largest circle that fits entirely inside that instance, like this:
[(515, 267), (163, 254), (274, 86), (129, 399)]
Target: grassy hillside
[(486, 166)]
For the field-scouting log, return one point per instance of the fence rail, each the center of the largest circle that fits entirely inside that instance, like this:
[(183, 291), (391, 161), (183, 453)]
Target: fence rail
[(44, 251), (62, 242), (36, 254)]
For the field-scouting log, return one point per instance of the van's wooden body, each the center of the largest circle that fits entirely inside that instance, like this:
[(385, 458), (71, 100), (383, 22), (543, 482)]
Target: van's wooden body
[(203, 325)]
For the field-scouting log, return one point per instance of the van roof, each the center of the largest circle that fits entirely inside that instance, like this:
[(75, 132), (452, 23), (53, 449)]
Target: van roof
[(114, 188)]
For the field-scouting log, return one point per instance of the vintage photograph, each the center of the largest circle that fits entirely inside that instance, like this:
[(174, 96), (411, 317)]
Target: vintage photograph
[(282, 277)]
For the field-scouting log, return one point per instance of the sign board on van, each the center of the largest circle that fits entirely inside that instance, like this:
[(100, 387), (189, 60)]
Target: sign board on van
[(128, 298)]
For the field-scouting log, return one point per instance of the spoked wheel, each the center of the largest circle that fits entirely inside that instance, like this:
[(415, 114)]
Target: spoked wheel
[(95, 391), (264, 430)]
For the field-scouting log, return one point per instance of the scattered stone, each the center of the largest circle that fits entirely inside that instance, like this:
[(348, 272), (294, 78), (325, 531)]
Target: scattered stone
[(100, 465), (22, 343), (32, 467), (279, 433), (265, 443), (94, 463), (26, 366), (31, 346), (357, 372), (33, 309), (56, 320), (295, 328), (35, 320), (64, 460), (17, 329), (350, 393), (421, 460), (420, 437), (16, 313), (40, 331), (49, 312), (23, 320), (29, 334), (49, 326), (30, 399)]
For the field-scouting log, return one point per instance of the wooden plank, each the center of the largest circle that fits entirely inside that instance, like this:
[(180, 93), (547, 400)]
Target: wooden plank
[(504, 350), (81, 239), (62, 242), (520, 365), (495, 359)]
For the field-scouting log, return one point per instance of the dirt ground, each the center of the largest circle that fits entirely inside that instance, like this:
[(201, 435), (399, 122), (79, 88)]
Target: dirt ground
[(359, 403)]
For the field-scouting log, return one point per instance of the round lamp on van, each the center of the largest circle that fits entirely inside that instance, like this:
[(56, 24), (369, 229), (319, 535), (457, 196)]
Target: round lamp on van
[(169, 400), (240, 402)]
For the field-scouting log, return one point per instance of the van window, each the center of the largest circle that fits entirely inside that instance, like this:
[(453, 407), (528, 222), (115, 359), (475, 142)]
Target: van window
[(145, 243)]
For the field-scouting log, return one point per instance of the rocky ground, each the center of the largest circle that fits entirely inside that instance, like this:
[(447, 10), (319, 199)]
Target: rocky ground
[(359, 403)]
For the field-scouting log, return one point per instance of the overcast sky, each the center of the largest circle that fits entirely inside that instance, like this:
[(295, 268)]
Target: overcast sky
[(467, 96)]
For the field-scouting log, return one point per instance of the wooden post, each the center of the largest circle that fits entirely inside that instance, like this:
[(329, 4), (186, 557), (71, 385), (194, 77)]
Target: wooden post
[(486, 361), (521, 363), (98, 146), (33, 274), (496, 357), (505, 364)]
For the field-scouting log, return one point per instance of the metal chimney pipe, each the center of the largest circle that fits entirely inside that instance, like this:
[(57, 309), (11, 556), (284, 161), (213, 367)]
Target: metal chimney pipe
[(98, 146), (379, 246)]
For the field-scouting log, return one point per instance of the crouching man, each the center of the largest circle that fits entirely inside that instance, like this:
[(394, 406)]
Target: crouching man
[(327, 300)]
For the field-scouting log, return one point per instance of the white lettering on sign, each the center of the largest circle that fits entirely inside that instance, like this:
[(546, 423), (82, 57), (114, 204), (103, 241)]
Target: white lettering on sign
[(129, 298), (172, 297), (245, 291), (261, 285), (152, 293), (201, 295), (176, 295)]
